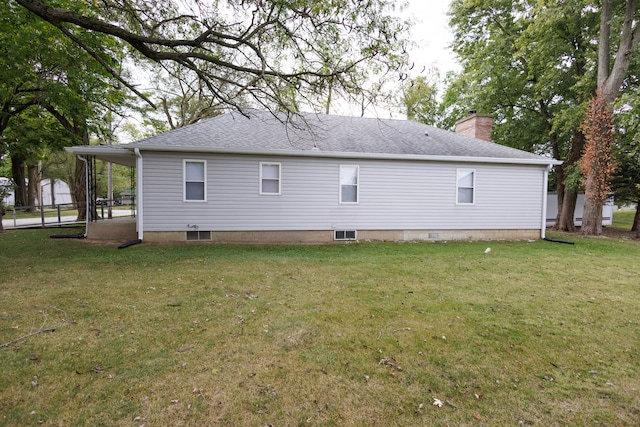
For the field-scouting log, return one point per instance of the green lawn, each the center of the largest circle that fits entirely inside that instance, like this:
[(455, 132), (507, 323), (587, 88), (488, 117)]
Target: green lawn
[(367, 334), (623, 219)]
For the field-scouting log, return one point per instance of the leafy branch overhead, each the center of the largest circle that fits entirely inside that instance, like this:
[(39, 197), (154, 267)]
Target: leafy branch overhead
[(247, 46)]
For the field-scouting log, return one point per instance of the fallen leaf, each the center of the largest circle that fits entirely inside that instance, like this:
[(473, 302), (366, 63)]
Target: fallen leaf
[(477, 416), (388, 361)]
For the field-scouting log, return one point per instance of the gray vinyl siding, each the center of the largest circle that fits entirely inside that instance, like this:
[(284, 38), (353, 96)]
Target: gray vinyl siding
[(393, 195)]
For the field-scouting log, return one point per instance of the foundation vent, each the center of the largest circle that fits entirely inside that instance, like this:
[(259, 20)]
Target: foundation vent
[(345, 235), (198, 235)]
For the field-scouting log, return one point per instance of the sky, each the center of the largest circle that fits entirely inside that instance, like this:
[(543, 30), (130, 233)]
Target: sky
[(432, 35)]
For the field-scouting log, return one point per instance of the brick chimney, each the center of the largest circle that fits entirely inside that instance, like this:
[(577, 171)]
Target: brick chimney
[(475, 125)]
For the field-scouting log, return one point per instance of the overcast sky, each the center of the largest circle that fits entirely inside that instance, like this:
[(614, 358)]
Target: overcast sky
[(431, 33), (432, 37)]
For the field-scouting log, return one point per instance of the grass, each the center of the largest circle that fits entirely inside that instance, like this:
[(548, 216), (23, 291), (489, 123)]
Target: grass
[(368, 334), (623, 219)]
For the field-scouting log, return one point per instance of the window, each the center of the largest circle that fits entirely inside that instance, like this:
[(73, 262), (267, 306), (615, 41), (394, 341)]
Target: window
[(195, 188), (270, 178), (349, 184), (466, 186)]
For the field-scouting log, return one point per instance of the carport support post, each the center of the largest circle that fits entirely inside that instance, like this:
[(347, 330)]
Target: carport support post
[(138, 196), (87, 176)]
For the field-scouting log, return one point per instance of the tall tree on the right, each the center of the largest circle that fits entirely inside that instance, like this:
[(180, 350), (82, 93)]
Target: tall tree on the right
[(610, 81)]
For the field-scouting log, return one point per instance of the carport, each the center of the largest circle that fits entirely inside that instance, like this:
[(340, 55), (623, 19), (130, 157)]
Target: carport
[(120, 229)]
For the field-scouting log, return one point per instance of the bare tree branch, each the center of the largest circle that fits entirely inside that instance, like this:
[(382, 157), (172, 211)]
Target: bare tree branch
[(41, 330), (251, 46)]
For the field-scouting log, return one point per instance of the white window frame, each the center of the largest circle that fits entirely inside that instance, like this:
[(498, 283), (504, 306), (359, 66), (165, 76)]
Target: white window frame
[(184, 181), (458, 187), (265, 193), (357, 184)]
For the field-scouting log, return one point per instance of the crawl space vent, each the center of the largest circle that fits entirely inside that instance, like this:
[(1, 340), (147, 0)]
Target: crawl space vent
[(344, 235), (198, 235)]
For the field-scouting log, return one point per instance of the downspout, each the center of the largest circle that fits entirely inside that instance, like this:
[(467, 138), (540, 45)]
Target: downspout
[(140, 216), (87, 214), (545, 181)]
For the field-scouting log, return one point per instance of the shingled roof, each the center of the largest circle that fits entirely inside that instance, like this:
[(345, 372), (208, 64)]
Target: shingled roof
[(308, 134)]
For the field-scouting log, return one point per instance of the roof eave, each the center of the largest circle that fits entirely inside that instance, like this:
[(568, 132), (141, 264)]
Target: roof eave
[(115, 154), (350, 155)]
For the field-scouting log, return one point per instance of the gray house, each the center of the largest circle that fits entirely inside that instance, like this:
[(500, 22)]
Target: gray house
[(254, 177)]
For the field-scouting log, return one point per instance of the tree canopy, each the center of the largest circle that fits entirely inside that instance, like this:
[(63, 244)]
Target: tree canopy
[(534, 66), (255, 47), (52, 92)]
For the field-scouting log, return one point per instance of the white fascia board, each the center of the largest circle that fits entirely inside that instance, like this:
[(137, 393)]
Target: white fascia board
[(121, 155), (343, 155), (100, 149)]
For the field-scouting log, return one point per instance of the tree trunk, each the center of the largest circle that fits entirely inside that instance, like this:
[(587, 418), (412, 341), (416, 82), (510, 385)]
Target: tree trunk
[(19, 180), (567, 201), (609, 83), (52, 188), (636, 219), (592, 215), (597, 163), (565, 220), (32, 187), (2, 209)]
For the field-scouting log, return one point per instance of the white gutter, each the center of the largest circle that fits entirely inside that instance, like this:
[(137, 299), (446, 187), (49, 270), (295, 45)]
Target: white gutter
[(86, 195), (350, 155), (545, 183), (139, 217)]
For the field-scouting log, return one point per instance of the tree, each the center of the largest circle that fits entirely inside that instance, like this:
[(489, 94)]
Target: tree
[(19, 74), (28, 138), (43, 71), (253, 47), (4, 192), (182, 99), (625, 182), (599, 164), (419, 98), (532, 65)]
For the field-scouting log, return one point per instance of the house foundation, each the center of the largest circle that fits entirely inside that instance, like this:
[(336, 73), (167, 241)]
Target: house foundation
[(117, 229), (327, 236)]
